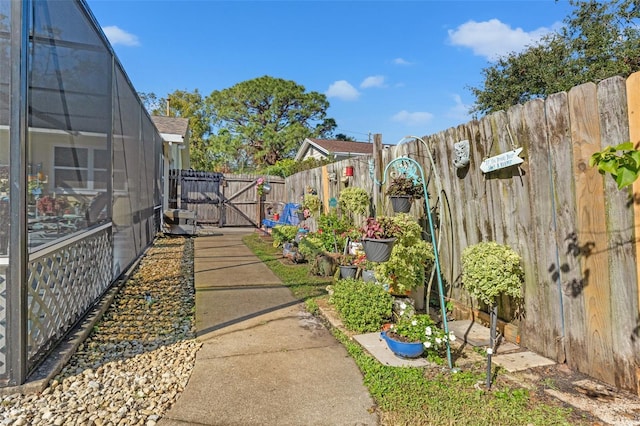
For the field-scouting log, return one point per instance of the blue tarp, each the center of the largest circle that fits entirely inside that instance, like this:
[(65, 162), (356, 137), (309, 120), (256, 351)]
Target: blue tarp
[(289, 216)]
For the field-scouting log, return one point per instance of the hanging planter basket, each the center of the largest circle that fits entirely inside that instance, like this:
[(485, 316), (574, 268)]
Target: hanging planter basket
[(378, 250), (401, 203)]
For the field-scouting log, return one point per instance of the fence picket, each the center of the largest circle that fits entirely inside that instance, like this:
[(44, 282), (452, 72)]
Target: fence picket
[(591, 229)]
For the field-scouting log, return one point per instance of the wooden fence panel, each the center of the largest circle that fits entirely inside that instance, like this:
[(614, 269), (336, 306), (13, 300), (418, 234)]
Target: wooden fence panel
[(614, 127), (592, 239), (446, 211), (543, 295), (633, 107), (489, 139), (565, 272)]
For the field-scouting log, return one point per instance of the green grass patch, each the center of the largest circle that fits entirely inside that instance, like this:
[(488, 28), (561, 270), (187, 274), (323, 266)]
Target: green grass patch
[(435, 396), (303, 285)]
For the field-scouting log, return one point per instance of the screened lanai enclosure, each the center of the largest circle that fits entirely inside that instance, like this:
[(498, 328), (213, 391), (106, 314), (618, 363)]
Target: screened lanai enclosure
[(80, 175)]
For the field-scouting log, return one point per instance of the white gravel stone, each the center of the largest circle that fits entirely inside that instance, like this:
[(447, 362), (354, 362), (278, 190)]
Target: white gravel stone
[(136, 362)]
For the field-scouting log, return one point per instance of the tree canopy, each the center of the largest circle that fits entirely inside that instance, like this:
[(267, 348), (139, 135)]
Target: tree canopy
[(599, 40), (253, 124), (267, 118)]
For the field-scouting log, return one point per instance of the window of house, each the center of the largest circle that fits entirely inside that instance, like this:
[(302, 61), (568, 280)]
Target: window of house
[(84, 169)]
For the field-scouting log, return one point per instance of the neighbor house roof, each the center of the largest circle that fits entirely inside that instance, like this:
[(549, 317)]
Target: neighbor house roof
[(335, 147), (172, 129)]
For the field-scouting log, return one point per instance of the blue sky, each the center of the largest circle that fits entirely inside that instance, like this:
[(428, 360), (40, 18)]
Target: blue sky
[(392, 67)]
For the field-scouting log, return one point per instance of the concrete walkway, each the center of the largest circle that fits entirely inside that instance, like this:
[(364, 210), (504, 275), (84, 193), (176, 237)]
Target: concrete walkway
[(264, 359)]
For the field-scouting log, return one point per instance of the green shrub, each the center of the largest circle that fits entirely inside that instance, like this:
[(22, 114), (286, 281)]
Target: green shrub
[(362, 306), (311, 245), (354, 200), (410, 258), (312, 203), (283, 234)]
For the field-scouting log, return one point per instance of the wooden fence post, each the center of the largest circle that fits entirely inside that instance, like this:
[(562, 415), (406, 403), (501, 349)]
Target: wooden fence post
[(633, 105), (377, 173)]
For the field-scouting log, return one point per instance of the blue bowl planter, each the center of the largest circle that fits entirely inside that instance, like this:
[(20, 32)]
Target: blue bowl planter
[(403, 349)]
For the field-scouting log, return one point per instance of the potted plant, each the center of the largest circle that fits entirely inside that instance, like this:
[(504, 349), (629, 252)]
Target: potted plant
[(311, 203), (52, 205), (490, 270), (283, 234), (410, 257), (378, 238), (402, 190), (347, 266), (367, 268), (412, 335)]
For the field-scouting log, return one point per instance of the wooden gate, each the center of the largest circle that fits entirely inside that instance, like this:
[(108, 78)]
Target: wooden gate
[(223, 200), (196, 191)]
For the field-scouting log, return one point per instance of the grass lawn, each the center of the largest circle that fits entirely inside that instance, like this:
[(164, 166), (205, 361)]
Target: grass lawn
[(430, 395)]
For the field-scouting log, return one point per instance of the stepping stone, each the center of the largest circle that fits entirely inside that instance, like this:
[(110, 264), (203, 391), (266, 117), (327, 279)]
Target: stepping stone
[(520, 361), (377, 347), (477, 334)]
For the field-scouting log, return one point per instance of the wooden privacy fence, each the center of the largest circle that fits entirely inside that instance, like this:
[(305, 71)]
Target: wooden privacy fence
[(223, 199), (576, 232)]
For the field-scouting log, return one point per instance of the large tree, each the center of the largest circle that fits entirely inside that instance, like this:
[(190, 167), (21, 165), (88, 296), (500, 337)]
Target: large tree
[(188, 105), (192, 105), (265, 119), (599, 40)]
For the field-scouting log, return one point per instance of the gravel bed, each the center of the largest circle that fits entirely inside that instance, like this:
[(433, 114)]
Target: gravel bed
[(138, 358)]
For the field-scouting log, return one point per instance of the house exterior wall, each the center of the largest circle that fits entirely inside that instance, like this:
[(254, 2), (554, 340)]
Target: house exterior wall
[(315, 153)]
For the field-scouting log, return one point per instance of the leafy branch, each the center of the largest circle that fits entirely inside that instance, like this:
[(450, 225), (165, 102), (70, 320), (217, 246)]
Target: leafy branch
[(622, 162)]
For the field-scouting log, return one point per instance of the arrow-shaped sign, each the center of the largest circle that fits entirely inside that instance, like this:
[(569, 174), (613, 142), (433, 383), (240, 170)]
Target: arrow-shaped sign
[(501, 161)]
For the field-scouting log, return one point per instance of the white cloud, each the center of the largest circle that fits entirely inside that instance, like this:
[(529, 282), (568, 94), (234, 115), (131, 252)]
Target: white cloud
[(341, 89), (373, 81), (459, 111), (493, 38), (119, 36), (400, 61), (412, 118)]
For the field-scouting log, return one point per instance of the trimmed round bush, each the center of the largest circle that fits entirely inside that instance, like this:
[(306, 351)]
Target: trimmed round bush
[(490, 269)]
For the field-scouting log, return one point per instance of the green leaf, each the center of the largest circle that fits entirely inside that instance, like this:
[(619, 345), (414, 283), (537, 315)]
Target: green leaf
[(626, 177), (609, 166), (625, 146)]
